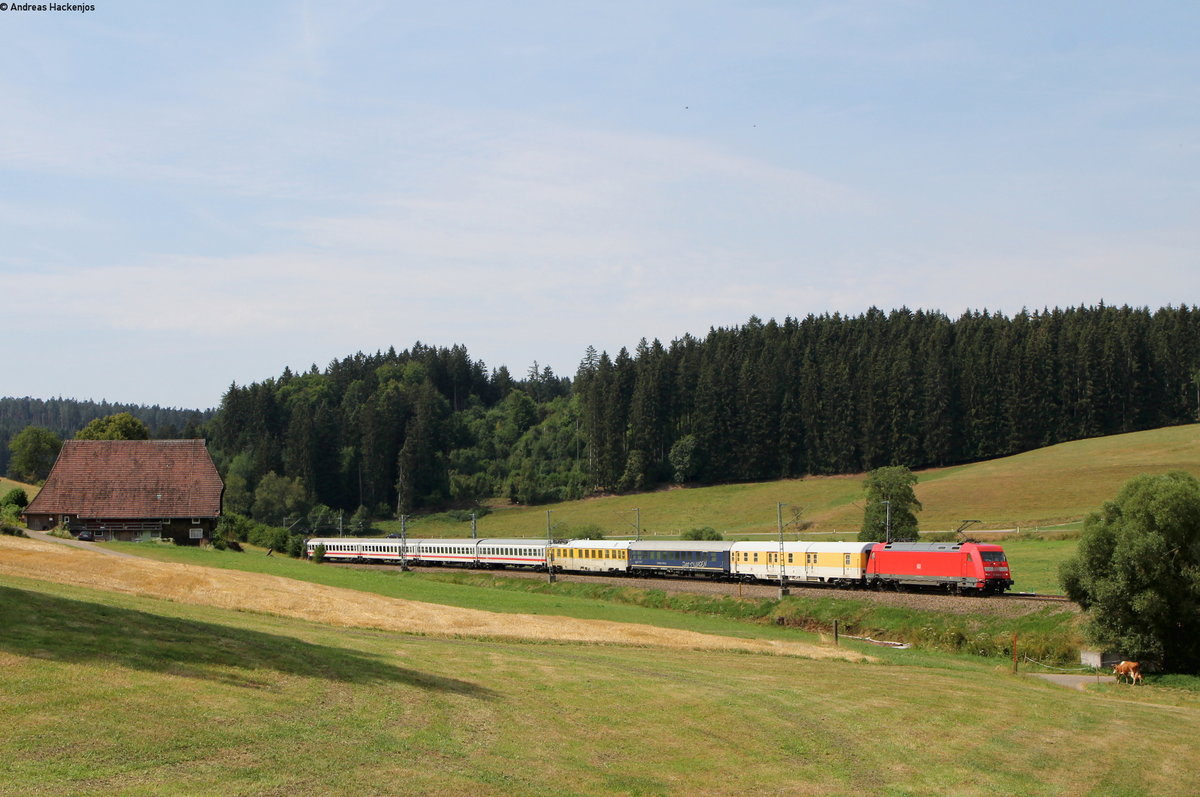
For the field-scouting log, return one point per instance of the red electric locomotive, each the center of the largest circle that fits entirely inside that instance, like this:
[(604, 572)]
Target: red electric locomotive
[(953, 566)]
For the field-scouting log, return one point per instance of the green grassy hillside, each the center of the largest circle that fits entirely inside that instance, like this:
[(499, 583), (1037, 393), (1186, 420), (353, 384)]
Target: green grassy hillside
[(1046, 487), (9, 484)]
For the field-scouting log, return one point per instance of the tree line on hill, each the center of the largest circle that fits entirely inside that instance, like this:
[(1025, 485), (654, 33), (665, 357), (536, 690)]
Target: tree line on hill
[(428, 427), (64, 417)]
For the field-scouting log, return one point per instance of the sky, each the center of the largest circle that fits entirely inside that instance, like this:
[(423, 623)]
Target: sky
[(196, 194)]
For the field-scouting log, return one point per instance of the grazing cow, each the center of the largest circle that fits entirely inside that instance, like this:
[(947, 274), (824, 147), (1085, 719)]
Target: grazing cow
[(1128, 669)]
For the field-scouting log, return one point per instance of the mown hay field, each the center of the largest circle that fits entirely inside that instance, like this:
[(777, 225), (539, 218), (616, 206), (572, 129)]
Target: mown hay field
[(111, 692), (237, 590)]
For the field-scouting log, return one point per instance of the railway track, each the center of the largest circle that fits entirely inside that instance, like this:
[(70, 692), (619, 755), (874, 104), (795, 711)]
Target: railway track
[(1011, 604), (1034, 596)]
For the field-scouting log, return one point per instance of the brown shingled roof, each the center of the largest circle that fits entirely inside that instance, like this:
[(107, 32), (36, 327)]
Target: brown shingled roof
[(131, 479)]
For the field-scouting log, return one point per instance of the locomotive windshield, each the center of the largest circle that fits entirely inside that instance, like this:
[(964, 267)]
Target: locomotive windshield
[(992, 556)]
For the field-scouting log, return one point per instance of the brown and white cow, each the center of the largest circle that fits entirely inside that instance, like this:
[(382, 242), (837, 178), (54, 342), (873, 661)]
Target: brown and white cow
[(1128, 669)]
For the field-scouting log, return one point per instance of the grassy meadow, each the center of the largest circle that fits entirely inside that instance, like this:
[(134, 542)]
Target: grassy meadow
[(8, 484), (1035, 562), (107, 693)]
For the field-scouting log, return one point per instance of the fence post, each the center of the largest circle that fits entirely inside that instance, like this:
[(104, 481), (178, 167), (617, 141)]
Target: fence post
[(835, 634), (1014, 649)]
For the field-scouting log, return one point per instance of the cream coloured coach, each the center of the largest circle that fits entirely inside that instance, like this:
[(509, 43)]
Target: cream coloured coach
[(823, 562), (591, 556)]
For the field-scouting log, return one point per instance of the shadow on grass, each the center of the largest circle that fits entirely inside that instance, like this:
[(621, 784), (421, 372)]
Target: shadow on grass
[(46, 626)]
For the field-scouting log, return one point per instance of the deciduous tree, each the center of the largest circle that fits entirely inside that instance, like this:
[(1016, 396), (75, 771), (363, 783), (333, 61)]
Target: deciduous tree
[(34, 450), (1137, 571), (890, 488), (278, 497), (121, 426)]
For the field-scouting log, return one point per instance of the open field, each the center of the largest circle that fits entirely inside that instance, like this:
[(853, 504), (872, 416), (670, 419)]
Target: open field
[(1047, 487), (232, 589), (1048, 632), (110, 692), (1035, 562), (9, 484)]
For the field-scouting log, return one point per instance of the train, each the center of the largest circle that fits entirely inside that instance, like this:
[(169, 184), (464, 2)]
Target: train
[(953, 567)]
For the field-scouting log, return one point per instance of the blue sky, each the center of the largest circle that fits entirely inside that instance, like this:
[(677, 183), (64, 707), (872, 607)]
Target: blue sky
[(196, 194)]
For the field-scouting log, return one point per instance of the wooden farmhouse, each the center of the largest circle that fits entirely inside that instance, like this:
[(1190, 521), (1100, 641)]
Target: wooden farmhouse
[(131, 490)]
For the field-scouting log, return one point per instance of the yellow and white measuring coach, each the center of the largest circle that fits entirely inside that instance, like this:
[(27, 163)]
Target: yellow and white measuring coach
[(590, 556), (843, 563)]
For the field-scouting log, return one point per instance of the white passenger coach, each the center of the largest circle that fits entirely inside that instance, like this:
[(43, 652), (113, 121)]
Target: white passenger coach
[(462, 552)]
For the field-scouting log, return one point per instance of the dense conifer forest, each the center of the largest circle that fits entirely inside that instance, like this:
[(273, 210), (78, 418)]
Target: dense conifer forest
[(429, 428)]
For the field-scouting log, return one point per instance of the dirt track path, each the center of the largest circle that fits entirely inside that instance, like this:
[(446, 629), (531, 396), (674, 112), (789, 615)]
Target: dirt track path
[(41, 536), (1007, 606), (1080, 682)]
